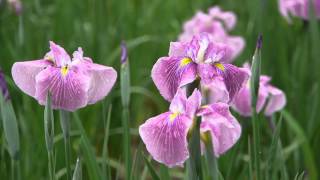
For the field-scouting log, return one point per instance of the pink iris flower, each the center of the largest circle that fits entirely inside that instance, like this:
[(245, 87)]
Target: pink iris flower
[(270, 98), (165, 135), (200, 57), (73, 83), (298, 8), (217, 23)]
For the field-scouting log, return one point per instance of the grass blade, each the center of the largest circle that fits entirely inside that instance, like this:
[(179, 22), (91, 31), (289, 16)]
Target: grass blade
[(306, 149), (151, 169), (105, 169), (88, 153), (77, 174)]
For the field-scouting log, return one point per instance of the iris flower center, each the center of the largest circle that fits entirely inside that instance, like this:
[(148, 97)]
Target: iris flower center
[(185, 61), (219, 66), (64, 70), (173, 116)]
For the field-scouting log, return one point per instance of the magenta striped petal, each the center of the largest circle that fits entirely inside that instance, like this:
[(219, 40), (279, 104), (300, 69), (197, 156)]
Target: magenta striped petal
[(168, 75), (233, 77), (166, 140), (24, 74), (224, 128), (68, 92)]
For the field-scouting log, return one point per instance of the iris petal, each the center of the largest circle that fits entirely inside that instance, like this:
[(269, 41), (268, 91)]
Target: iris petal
[(224, 128), (24, 74), (277, 100), (68, 92), (166, 140), (233, 77), (168, 75)]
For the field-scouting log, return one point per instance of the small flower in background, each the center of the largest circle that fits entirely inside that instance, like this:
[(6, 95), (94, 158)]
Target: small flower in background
[(165, 135), (298, 8), (270, 98), (73, 83), (16, 6), (216, 23), (3, 86), (200, 57)]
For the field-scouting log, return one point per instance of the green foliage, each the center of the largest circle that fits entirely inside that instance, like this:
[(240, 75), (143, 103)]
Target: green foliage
[(290, 56)]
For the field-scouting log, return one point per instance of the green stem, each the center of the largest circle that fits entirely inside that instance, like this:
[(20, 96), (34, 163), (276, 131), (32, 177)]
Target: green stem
[(126, 141), (13, 169), (195, 151), (51, 165), (211, 158), (65, 125), (256, 144)]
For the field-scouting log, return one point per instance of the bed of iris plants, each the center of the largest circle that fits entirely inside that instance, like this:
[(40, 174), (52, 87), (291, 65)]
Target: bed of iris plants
[(140, 89)]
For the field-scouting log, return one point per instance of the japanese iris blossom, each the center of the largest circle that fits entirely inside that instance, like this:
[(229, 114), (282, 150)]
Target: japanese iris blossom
[(298, 8), (72, 83), (217, 23), (270, 98), (165, 135), (200, 57)]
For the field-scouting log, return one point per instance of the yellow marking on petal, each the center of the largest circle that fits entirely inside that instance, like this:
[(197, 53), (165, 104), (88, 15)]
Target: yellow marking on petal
[(185, 61), (64, 70), (173, 116), (205, 106), (219, 66)]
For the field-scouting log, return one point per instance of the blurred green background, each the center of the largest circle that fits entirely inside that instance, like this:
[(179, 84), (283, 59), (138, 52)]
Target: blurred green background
[(290, 55)]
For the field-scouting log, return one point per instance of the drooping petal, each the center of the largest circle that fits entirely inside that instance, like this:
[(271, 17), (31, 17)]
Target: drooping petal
[(224, 128), (193, 103), (277, 100), (242, 100), (59, 55), (170, 73), (69, 92), (102, 79), (233, 77), (24, 74), (166, 138)]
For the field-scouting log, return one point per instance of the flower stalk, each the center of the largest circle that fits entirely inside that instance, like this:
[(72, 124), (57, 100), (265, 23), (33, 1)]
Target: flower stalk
[(65, 126), (194, 141), (254, 87), (49, 135)]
